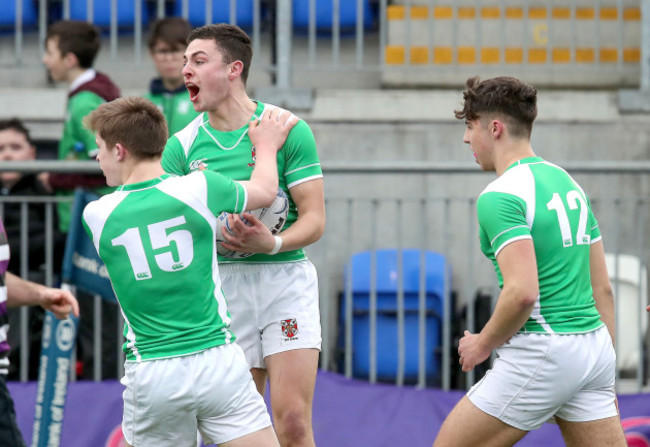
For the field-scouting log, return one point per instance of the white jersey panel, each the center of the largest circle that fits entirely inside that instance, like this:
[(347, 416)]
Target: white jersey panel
[(187, 136), (96, 213)]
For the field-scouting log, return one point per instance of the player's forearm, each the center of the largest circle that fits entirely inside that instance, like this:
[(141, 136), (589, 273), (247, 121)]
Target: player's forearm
[(602, 287), (21, 292), (305, 231), (604, 298), (510, 314)]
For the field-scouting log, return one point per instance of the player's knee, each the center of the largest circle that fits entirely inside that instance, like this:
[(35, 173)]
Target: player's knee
[(293, 426)]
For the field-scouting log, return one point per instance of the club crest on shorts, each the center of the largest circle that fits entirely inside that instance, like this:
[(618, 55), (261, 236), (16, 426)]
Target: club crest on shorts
[(289, 327)]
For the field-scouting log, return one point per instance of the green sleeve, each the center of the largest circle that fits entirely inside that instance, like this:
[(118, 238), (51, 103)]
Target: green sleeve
[(173, 158), (594, 229), (224, 194), (81, 105), (503, 218), (302, 160)]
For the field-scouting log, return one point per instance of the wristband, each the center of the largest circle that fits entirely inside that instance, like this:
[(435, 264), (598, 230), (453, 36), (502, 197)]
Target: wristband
[(278, 245)]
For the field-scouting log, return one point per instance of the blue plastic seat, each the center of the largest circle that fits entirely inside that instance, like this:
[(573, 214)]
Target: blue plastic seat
[(324, 8), (220, 12), (8, 13), (387, 286), (102, 12)]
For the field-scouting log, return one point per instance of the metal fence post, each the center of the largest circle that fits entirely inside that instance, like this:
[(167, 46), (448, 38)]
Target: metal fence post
[(283, 93)]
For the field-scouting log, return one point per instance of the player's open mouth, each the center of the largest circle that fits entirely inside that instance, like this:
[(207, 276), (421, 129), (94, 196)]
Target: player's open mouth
[(194, 91)]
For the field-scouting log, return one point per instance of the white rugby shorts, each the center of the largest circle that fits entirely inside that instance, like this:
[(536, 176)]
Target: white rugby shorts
[(538, 376), (274, 307), (166, 400)]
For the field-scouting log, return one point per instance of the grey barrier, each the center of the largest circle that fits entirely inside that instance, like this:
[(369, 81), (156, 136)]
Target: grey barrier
[(389, 215)]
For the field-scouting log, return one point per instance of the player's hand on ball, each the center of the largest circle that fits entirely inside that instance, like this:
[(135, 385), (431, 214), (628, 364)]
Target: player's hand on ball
[(251, 236), (272, 128), (471, 351)]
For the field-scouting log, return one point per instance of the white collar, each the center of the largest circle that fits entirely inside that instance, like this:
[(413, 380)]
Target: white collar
[(84, 77)]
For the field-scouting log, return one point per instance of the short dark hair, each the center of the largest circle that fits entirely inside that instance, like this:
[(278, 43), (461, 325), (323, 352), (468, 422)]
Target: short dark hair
[(79, 38), (512, 99), (171, 30), (232, 41), (18, 126), (132, 121)]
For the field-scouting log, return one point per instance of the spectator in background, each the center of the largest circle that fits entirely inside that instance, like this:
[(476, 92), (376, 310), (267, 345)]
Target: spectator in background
[(167, 43), (16, 145), (70, 51)]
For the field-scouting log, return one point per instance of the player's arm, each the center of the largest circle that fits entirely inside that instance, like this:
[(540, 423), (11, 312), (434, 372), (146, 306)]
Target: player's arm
[(26, 293), (602, 288), (310, 224), (305, 183), (255, 237), (173, 159), (267, 134), (518, 266)]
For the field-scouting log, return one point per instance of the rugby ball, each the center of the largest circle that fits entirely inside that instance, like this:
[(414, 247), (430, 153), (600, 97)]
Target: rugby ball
[(273, 217)]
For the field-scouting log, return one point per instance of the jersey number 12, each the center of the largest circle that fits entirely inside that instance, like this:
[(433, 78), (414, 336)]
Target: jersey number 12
[(575, 201)]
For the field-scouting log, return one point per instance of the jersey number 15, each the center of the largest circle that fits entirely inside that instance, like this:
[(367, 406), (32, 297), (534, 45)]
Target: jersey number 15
[(160, 239)]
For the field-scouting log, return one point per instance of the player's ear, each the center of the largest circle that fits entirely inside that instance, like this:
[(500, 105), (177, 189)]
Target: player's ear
[(235, 69), (496, 128), (120, 152), (71, 60)]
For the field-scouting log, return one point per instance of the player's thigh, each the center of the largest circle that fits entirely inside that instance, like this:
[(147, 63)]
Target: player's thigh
[(599, 433), (289, 308), (292, 376), (158, 403), (468, 426), (241, 285), (595, 398), (259, 377), (229, 405), (261, 438)]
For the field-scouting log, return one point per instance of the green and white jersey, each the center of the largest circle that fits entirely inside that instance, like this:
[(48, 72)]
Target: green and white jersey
[(157, 239), (537, 200), (199, 146)]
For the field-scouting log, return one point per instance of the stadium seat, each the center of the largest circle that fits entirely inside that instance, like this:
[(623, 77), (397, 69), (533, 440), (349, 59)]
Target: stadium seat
[(324, 9), (82, 267), (220, 12), (8, 13), (387, 286), (102, 12), (629, 278)]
